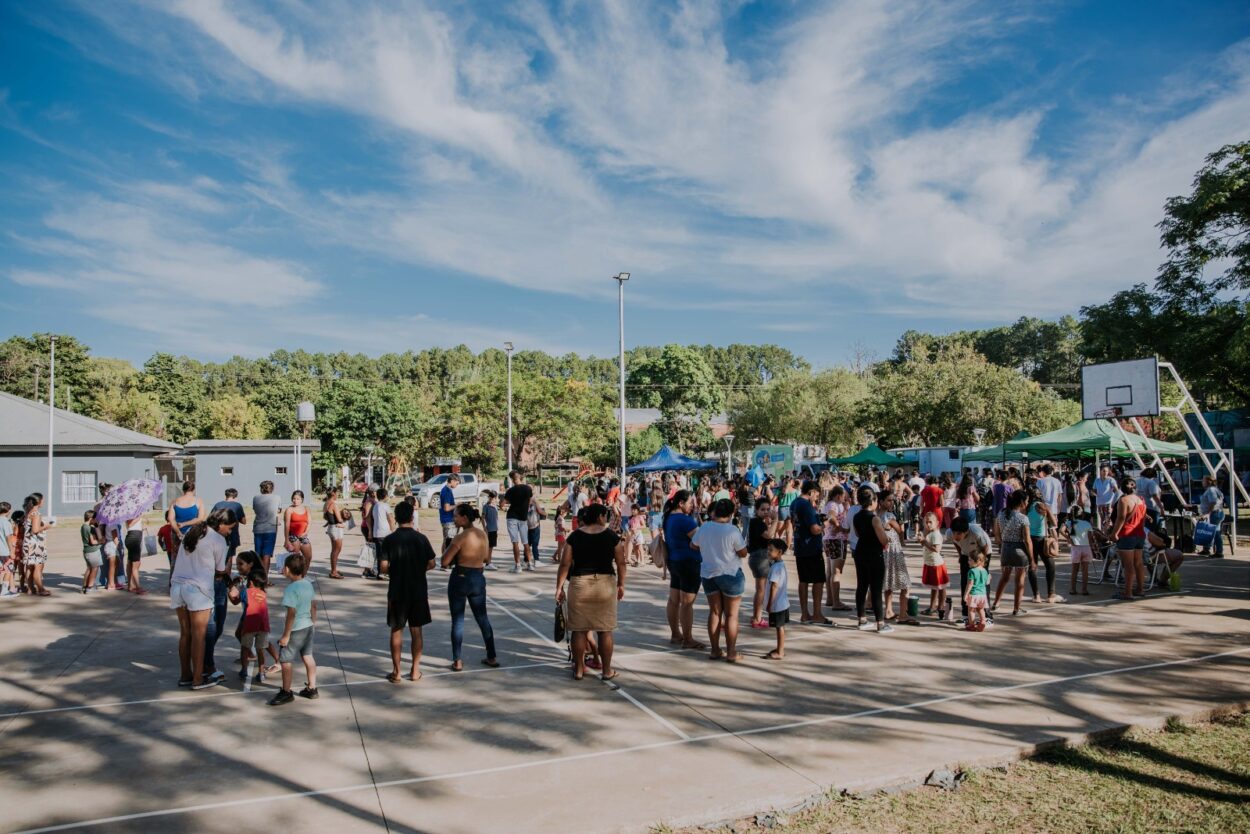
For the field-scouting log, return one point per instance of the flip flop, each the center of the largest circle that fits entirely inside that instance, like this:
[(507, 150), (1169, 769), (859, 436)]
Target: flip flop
[(273, 669), (418, 677), (606, 678), (737, 657), (335, 575), (491, 662), (392, 677), (717, 656), (693, 644), (842, 607), (773, 655)]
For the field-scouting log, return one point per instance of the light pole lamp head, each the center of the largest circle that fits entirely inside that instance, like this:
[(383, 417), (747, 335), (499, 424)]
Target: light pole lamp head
[(507, 346), (305, 412), (624, 276), (729, 438)]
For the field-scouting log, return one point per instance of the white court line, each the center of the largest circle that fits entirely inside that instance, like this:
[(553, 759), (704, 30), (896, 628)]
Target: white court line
[(533, 630), (664, 722), (599, 754), (204, 696)]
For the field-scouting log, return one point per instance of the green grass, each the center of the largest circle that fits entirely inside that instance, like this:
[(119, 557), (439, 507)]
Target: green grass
[(1180, 779)]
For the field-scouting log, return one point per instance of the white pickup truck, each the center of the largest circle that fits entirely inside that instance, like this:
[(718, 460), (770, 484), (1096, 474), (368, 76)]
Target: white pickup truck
[(469, 490)]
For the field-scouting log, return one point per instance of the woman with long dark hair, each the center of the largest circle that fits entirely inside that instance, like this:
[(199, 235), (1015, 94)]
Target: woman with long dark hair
[(1015, 548), (202, 560), (1129, 533), (593, 563), (333, 515), (468, 555), (34, 548), (683, 562), (869, 558)]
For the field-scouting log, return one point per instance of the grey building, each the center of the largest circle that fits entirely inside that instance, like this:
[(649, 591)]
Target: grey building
[(243, 464), (86, 453)]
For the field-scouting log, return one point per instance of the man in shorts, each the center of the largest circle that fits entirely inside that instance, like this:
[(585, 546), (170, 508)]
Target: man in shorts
[(446, 509), (406, 556), (516, 502)]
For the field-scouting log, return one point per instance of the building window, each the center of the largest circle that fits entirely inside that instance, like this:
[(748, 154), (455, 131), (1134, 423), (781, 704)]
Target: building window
[(227, 471), (279, 470), (954, 453), (78, 487)]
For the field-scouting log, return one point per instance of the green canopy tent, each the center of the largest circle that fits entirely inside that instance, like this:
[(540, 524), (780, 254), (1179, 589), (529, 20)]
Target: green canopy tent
[(872, 455), (1084, 439), (991, 454)]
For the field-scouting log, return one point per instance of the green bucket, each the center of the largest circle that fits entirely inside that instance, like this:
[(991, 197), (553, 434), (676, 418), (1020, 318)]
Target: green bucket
[(1174, 581), (913, 606)]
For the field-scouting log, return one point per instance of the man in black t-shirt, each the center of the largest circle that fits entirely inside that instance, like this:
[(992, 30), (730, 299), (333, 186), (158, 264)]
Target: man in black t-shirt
[(405, 556), (809, 555), (517, 502)]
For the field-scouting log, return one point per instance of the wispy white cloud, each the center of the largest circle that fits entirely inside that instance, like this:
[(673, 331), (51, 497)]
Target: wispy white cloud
[(548, 150)]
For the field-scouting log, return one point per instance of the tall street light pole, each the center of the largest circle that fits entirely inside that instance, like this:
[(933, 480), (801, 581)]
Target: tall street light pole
[(507, 346), (51, 416), (620, 285), (729, 447)]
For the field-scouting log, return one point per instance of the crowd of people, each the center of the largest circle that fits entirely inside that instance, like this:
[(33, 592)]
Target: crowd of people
[(705, 535)]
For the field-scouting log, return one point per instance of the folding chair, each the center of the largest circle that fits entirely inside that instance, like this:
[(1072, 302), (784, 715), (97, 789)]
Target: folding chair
[(1158, 556), (1105, 551)]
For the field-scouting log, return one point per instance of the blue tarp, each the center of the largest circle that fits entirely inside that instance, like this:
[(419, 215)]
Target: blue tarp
[(666, 460)]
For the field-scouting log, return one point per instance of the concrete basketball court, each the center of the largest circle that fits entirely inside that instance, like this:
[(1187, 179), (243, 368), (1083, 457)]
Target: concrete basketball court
[(95, 736)]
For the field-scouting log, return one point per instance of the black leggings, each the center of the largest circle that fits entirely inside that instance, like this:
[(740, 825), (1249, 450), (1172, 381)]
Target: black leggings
[(1042, 554), (869, 576)]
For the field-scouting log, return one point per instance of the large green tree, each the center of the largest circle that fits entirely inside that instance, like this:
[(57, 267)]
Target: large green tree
[(179, 385), (821, 409), (679, 382), (1207, 233), (356, 420), (1197, 315), (24, 361), (939, 399), (234, 417)]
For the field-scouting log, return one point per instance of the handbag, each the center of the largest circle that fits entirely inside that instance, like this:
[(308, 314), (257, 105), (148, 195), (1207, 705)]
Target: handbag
[(149, 545), (1205, 533), (368, 558), (558, 633), (279, 560), (659, 550)]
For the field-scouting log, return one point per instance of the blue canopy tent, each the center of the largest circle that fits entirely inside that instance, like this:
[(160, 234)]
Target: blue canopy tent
[(666, 460)]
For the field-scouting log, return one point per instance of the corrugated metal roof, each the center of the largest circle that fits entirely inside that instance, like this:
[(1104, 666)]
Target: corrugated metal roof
[(24, 425)]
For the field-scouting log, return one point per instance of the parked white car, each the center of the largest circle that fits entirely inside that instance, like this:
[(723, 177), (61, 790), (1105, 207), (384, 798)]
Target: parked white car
[(469, 490)]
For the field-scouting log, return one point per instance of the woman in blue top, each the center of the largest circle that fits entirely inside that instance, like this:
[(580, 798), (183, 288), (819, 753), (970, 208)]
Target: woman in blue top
[(186, 511), (1041, 520), (683, 568)]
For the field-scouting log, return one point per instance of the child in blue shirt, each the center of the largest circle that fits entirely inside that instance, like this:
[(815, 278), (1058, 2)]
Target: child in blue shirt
[(778, 599), (297, 637)]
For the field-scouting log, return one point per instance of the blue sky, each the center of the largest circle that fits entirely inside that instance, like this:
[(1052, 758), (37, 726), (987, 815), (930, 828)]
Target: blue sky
[(219, 176)]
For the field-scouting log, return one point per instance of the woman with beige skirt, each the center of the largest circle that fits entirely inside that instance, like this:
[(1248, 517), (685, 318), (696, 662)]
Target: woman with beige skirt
[(594, 566)]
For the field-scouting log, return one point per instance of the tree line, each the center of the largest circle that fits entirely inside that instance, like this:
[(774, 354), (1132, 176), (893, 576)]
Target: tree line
[(934, 389)]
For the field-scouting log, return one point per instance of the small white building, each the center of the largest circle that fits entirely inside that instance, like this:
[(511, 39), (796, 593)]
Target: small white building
[(86, 453)]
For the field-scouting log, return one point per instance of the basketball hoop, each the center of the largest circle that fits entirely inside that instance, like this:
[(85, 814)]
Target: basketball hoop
[(1108, 413)]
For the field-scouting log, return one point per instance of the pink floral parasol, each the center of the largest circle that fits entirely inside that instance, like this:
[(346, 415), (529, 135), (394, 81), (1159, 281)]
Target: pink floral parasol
[(128, 500)]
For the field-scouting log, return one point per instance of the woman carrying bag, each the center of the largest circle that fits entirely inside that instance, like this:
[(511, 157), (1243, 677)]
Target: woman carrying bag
[(594, 566)]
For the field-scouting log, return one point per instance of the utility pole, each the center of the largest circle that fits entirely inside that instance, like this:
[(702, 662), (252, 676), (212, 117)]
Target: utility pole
[(620, 285)]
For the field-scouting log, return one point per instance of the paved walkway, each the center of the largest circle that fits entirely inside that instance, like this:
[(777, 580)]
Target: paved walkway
[(95, 736)]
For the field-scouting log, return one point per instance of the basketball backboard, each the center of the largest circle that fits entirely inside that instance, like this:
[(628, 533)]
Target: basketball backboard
[(1120, 389)]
